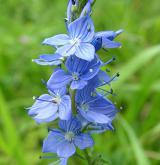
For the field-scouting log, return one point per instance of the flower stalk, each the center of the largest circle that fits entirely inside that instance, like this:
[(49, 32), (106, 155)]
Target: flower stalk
[(73, 93), (74, 96), (87, 157)]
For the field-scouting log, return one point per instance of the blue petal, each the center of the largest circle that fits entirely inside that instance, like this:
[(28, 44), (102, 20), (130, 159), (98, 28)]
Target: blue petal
[(84, 94), (49, 59), (46, 120), (72, 125), (69, 12), (76, 65), (86, 10), (79, 84), (83, 121), (95, 117), (65, 108), (83, 141), (106, 34), (50, 63), (93, 69), (53, 141), (85, 51), (110, 44), (60, 92), (45, 113), (82, 28), (39, 104), (103, 77), (60, 39), (103, 106), (66, 149), (119, 32), (58, 79), (97, 43), (66, 50), (100, 128)]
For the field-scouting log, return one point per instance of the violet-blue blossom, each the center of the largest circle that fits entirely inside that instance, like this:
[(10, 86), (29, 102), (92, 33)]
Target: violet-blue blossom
[(78, 40), (64, 141), (104, 39), (96, 108), (49, 107), (79, 72)]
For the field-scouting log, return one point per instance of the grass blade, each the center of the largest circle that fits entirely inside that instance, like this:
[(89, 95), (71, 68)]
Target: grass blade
[(9, 135), (136, 147)]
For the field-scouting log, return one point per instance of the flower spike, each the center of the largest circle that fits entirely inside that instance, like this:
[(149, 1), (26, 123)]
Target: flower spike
[(77, 100)]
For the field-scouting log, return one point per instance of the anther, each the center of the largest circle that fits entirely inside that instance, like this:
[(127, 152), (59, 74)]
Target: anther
[(118, 74), (34, 97)]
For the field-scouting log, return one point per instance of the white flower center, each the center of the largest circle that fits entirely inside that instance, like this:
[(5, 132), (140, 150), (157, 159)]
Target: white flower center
[(85, 107), (75, 76), (57, 100), (69, 136)]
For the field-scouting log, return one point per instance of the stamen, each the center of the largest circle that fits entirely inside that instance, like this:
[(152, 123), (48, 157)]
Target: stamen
[(108, 62), (69, 136), (44, 82), (97, 98), (47, 157), (36, 98), (117, 75), (109, 92), (74, 42)]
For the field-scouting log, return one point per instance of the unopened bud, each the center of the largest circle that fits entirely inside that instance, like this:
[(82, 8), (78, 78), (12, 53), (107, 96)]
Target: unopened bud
[(74, 8)]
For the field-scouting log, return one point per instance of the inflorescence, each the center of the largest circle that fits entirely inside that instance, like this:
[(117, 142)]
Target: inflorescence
[(76, 96)]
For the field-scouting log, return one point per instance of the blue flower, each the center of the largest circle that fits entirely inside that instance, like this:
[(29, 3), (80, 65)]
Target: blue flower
[(48, 107), (100, 128), (105, 39), (64, 141), (77, 42), (94, 127), (49, 59), (94, 107), (79, 72)]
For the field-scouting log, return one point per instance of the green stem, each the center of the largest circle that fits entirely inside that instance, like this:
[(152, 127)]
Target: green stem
[(87, 157), (73, 93)]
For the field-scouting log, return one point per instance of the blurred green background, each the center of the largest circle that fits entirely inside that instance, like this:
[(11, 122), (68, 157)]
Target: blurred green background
[(23, 26)]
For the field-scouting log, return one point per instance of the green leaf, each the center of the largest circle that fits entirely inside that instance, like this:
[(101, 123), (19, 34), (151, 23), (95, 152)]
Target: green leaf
[(136, 63), (9, 139), (140, 156), (148, 78)]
